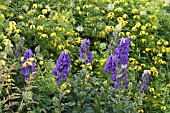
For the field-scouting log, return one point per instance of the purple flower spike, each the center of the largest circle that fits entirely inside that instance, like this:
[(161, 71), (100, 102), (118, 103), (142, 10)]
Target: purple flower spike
[(85, 51), (62, 66)]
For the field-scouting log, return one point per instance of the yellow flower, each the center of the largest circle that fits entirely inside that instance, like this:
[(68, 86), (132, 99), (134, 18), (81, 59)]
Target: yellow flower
[(90, 67), (17, 31), (163, 102), (44, 36), (140, 111), (168, 85), (125, 16), (41, 16), (51, 55), (142, 33), (41, 62), (134, 11), (34, 6), (147, 49), (2, 62), (159, 54), (166, 43), (163, 107), (110, 15), (108, 28), (154, 96), (40, 28), (163, 49), (143, 65), (133, 37), (127, 33), (10, 80), (82, 65), (53, 34), (132, 44), (67, 91), (154, 58), (155, 104), (139, 68), (158, 94), (119, 10), (27, 64), (103, 11), (152, 37), (151, 90), (59, 47), (154, 27), (95, 0), (32, 26), (76, 62), (31, 59), (87, 76), (143, 40), (143, 28), (64, 85), (138, 24), (153, 69), (20, 17), (0, 47), (8, 76), (44, 11)]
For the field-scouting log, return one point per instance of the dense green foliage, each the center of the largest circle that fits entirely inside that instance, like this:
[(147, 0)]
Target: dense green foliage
[(57, 25)]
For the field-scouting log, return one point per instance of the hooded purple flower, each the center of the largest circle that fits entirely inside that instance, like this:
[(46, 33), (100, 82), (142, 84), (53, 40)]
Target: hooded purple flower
[(62, 65), (85, 51), (27, 65), (111, 65)]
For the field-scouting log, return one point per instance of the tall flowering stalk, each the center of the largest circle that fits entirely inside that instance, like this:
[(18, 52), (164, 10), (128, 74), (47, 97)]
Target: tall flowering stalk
[(85, 51), (62, 66), (145, 81), (27, 64), (120, 58)]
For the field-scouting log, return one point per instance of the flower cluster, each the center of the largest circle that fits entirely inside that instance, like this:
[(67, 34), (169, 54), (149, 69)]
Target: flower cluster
[(120, 58), (62, 65), (27, 64), (85, 51), (145, 81)]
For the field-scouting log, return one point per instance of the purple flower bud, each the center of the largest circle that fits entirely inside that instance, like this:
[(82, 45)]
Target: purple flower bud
[(145, 79), (16, 54), (140, 88), (62, 65)]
